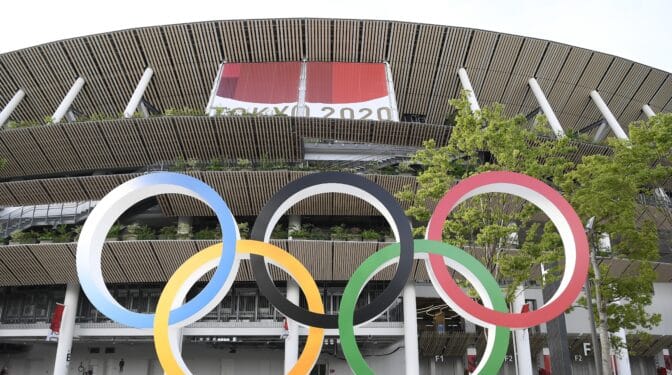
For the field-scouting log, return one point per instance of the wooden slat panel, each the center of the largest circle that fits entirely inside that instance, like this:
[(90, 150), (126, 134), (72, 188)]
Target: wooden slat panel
[(57, 260), (24, 265), (233, 41), (160, 139), (318, 39), (6, 276), (12, 167), (28, 192), (346, 37), (288, 34), (91, 145), (447, 86), (374, 40), (316, 256), (198, 137), (138, 261), (186, 60), (63, 190), (172, 254), (26, 151), (261, 40), (123, 137), (424, 68), (232, 187), (56, 145), (401, 49), (165, 79), (6, 197), (350, 255), (96, 187)]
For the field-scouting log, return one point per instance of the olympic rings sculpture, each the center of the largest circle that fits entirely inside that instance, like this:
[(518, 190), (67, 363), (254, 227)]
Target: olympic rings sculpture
[(172, 314)]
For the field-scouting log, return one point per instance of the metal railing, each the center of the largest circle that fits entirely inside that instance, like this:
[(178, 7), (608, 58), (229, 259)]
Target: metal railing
[(20, 218)]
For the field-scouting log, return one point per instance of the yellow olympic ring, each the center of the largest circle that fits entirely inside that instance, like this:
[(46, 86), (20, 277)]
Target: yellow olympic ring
[(171, 364)]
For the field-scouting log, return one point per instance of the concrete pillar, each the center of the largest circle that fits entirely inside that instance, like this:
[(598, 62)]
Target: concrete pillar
[(606, 112), (293, 222), (521, 338), (466, 84), (138, 93), (648, 111), (546, 108), (432, 366), (184, 227), (411, 355), (292, 339), (62, 361), (11, 106), (69, 98)]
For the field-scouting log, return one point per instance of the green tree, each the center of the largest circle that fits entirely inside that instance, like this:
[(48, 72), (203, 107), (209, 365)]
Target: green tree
[(602, 186), (606, 187), (491, 225)]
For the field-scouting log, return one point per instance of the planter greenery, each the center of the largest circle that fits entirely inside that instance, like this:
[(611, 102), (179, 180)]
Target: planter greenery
[(279, 233), (244, 229), (339, 233), (168, 233), (60, 234), (244, 164), (299, 232), (370, 235), (355, 234), (24, 237), (114, 232), (207, 234), (143, 233), (215, 165)]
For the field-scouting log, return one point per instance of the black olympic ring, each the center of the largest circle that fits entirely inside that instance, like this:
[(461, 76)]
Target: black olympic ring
[(270, 212)]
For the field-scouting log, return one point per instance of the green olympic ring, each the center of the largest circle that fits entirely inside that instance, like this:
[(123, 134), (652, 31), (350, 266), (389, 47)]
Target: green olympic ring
[(386, 256)]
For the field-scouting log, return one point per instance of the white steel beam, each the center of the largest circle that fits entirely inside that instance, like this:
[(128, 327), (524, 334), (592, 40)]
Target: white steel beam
[(11, 106), (65, 105), (62, 361), (606, 112), (466, 85), (133, 103), (601, 132), (648, 111), (546, 108)]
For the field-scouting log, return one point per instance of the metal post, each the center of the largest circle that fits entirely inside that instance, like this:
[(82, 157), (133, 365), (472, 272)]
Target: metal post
[(546, 108), (411, 355), (65, 105), (466, 84), (292, 340), (11, 106), (597, 354), (138, 93), (648, 111), (522, 338), (606, 112), (64, 347)]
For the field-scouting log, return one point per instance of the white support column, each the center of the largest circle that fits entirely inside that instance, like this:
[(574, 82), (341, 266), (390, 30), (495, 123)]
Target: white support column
[(301, 108), (62, 361), (622, 357), (522, 338), (411, 355), (293, 223), (65, 105), (466, 84), (606, 112), (133, 103), (546, 108), (292, 339), (648, 111), (11, 106)]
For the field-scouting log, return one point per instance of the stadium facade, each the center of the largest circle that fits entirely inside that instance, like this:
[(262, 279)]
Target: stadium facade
[(248, 106)]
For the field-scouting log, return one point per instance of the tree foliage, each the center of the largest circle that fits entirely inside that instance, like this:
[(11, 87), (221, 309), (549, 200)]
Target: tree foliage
[(604, 186)]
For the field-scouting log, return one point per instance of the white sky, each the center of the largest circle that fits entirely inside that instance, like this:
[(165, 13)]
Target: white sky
[(636, 30)]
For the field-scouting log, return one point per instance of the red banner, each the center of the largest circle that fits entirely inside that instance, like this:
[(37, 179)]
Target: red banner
[(56, 318)]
